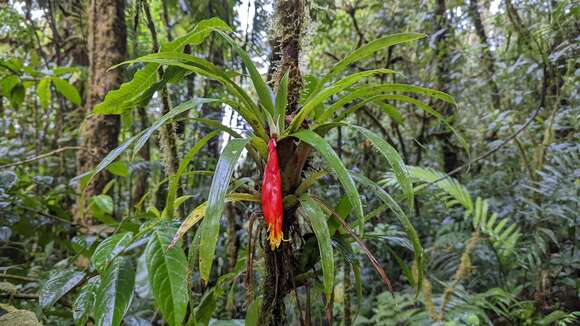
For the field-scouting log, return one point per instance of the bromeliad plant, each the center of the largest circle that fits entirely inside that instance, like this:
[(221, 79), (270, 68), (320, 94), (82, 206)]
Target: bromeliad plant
[(284, 192)]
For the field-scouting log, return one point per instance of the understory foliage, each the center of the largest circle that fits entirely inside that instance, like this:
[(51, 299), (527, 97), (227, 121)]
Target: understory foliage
[(433, 174)]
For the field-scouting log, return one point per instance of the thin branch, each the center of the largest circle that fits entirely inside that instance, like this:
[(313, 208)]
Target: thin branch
[(18, 277), (503, 143), (39, 157), (33, 296)]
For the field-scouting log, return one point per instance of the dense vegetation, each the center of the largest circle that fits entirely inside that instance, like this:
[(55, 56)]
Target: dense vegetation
[(427, 149)]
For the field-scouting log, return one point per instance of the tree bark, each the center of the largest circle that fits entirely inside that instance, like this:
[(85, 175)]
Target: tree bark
[(487, 57), (107, 44), (442, 59)]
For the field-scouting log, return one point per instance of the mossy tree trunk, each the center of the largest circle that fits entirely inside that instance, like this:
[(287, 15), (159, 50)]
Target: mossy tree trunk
[(281, 263), (107, 45)]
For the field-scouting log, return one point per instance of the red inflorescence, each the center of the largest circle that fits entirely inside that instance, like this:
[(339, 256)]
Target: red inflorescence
[(272, 196)]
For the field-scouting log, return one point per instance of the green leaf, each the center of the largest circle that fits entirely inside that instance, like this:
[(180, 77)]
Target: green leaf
[(335, 163), (115, 292), (43, 92), (104, 203), (110, 248), (395, 161), (391, 110), (119, 168), (264, 92), (253, 312), (370, 48), (448, 184), (17, 96), (167, 275), (215, 203), (370, 91), (199, 212), (117, 101), (317, 98), (57, 285), (318, 220), (67, 90), (403, 219), (85, 301), (247, 108), (282, 102), (174, 180)]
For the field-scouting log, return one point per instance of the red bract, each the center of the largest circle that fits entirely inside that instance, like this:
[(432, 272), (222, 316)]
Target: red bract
[(272, 196)]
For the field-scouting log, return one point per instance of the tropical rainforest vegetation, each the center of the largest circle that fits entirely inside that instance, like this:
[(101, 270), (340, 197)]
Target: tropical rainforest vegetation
[(289, 162)]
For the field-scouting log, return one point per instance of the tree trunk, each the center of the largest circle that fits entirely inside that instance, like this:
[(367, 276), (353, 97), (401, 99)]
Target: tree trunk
[(107, 44), (442, 59), (487, 58), (280, 263)]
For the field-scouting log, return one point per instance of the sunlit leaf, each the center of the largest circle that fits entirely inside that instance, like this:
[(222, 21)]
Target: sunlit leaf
[(115, 292), (335, 164), (215, 203), (58, 284), (167, 270), (318, 220)]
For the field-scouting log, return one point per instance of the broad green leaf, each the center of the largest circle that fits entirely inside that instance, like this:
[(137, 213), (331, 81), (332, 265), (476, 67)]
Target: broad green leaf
[(403, 219), (104, 203), (167, 270), (370, 48), (115, 292), (67, 90), (17, 95), (174, 180), (395, 161), (57, 285), (215, 203), (253, 312), (117, 101), (199, 212), (43, 92), (318, 220), (119, 168), (335, 163), (110, 248), (335, 88), (85, 301), (264, 92), (183, 107)]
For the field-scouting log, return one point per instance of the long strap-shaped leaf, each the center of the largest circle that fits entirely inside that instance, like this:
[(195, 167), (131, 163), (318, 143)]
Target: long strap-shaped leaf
[(215, 204), (174, 180), (167, 269), (337, 87), (368, 49), (395, 161), (368, 91), (199, 212), (341, 172), (248, 109), (318, 220), (264, 92), (117, 101), (403, 219)]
